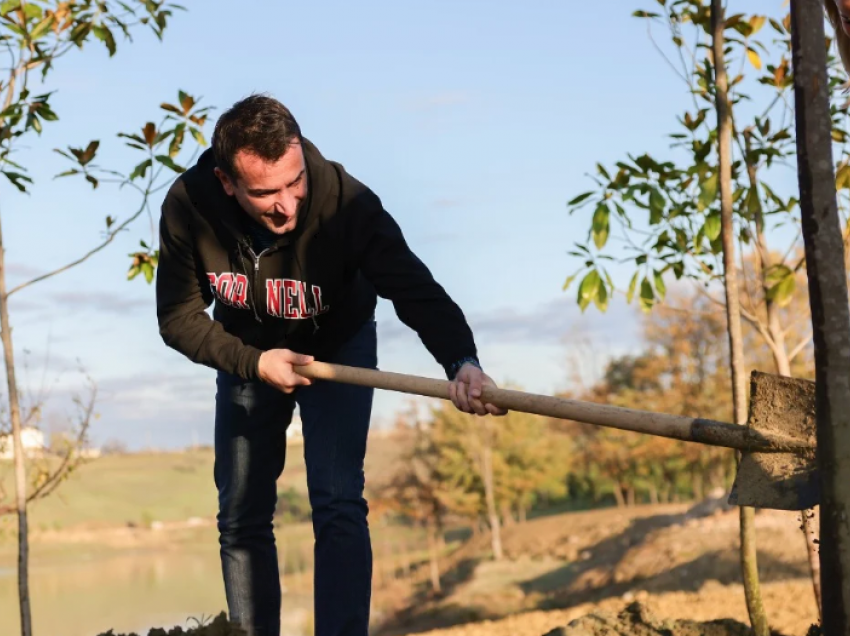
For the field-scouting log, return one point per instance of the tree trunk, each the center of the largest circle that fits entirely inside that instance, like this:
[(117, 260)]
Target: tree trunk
[(697, 485), (618, 495), (828, 299), (523, 513), (631, 494), (490, 496), (653, 494), (507, 516), (781, 361), (20, 468), (433, 553), (749, 565)]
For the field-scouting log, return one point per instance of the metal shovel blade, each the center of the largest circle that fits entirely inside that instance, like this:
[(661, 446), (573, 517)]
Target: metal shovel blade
[(779, 481)]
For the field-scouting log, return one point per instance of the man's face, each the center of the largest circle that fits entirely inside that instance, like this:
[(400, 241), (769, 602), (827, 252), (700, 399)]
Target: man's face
[(270, 192), (844, 14)]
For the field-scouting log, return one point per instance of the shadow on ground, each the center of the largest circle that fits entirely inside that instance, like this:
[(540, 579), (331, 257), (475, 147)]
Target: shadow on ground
[(600, 574)]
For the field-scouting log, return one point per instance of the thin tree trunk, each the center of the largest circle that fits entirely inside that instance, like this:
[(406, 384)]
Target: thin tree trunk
[(749, 564), (781, 361), (20, 468), (618, 495), (489, 493), (433, 554), (631, 494), (828, 299), (507, 514)]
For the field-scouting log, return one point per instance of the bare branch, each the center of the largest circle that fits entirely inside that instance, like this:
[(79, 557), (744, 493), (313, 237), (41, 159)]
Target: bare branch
[(664, 56), (799, 348), (70, 458)]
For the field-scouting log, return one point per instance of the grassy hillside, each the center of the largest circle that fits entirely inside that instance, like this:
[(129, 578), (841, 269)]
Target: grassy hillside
[(144, 487)]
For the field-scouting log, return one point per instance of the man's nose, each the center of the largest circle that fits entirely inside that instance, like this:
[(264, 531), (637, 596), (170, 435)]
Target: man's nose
[(287, 203)]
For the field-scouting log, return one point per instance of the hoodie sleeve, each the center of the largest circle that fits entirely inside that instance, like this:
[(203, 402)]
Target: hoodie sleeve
[(386, 260), (183, 295)]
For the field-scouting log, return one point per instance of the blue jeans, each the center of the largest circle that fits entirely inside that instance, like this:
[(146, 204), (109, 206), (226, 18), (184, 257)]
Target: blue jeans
[(250, 449)]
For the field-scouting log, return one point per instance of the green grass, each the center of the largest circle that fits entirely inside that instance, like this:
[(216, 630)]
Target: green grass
[(143, 487)]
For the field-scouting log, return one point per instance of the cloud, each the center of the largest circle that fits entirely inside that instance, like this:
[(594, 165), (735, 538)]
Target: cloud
[(549, 323), (22, 270), (102, 302)]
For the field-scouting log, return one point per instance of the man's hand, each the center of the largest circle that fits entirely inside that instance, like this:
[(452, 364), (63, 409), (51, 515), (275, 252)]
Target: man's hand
[(275, 368), (466, 389)]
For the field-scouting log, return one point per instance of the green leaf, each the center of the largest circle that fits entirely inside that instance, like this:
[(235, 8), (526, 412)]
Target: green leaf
[(712, 226), (588, 289), (141, 169), (9, 5), (134, 271), (199, 136), (659, 284), (753, 203), (32, 11), (103, 34), (632, 286), (647, 296), (777, 273), (42, 27), (575, 201), (601, 298), (783, 292), (708, 191), (569, 281), (67, 173), (656, 207), (18, 180), (80, 32), (842, 177), (177, 140), (168, 162), (92, 181), (147, 270), (601, 225)]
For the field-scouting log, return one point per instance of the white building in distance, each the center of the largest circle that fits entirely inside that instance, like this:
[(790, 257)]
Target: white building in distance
[(31, 438)]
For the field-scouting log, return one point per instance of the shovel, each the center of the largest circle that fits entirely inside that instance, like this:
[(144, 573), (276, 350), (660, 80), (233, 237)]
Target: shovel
[(778, 468)]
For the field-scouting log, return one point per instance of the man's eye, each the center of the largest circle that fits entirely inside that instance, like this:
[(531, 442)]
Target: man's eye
[(296, 182)]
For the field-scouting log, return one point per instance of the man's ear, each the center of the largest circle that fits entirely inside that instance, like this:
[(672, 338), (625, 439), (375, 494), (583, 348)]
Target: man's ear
[(226, 183)]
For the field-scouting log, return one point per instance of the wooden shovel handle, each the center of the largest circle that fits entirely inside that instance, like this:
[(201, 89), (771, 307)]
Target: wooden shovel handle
[(679, 427)]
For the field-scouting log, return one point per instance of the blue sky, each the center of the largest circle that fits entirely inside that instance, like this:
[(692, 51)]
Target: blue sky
[(474, 122)]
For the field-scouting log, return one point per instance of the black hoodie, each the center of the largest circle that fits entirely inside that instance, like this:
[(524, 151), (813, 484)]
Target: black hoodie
[(309, 292)]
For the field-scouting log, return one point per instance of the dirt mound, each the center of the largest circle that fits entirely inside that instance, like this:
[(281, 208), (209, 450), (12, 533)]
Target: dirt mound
[(637, 620), (219, 626)]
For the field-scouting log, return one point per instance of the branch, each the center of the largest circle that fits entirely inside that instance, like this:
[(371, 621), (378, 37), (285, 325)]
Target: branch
[(663, 55), (109, 238), (799, 348), (69, 460)]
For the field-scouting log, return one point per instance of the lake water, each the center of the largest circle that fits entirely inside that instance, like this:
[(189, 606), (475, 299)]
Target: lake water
[(84, 593)]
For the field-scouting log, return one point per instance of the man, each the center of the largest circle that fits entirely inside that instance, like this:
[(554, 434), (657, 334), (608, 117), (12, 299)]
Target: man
[(294, 252)]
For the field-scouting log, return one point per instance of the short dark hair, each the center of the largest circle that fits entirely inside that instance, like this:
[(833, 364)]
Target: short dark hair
[(258, 124)]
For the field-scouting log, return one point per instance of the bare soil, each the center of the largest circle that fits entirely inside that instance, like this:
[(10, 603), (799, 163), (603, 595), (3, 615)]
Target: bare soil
[(680, 562)]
